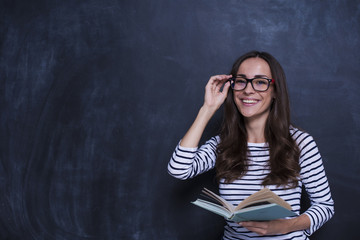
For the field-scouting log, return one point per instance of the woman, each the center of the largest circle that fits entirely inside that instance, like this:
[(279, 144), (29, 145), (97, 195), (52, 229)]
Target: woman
[(257, 147)]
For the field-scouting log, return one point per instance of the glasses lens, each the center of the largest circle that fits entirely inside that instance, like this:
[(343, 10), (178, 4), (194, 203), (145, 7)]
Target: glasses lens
[(260, 84), (239, 83)]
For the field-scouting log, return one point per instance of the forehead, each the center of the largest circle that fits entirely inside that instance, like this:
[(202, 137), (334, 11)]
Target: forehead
[(254, 66)]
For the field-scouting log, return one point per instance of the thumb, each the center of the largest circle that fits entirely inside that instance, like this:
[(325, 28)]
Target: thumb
[(226, 87)]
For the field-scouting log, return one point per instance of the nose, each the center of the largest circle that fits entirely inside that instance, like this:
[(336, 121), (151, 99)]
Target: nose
[(249, 89)]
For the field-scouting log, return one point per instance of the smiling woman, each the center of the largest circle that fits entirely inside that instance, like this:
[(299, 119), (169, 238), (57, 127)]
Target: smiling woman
[(254, 104), (257, 147)]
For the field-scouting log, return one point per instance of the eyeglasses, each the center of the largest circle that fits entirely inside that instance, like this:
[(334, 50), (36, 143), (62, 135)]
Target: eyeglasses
[(260, 84)]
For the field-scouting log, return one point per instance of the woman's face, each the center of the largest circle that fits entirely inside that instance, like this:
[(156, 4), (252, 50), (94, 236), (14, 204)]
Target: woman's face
[(252, 104)]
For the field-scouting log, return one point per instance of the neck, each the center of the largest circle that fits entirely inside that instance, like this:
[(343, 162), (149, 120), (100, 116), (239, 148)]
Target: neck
[(256, 130)]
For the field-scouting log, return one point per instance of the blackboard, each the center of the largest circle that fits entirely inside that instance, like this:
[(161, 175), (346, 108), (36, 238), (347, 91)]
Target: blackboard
[(96, 94)]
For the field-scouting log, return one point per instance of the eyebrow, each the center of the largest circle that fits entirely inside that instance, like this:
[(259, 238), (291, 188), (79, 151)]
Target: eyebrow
[(256, 76)]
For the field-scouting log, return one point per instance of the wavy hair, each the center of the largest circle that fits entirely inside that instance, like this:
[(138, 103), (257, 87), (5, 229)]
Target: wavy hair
[(232, 150)]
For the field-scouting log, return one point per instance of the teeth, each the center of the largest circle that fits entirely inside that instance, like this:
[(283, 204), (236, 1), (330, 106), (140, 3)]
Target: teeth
[(249, 101)]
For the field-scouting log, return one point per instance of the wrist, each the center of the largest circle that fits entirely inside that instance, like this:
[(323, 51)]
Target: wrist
[(208, 110), (301, 222), (290, 223)]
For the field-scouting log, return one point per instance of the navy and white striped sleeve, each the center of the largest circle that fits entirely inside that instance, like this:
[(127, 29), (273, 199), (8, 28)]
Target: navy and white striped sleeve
[(315, 181), (188, 162)]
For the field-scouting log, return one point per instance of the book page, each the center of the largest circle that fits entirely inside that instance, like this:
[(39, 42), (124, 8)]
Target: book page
[(263, 195), (219, 199)]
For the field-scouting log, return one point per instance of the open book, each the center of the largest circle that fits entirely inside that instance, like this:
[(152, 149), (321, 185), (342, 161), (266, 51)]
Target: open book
[(263, 205)]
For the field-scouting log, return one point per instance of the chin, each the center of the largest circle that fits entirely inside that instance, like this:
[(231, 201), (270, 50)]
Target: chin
[(248, 114), (254, 114)]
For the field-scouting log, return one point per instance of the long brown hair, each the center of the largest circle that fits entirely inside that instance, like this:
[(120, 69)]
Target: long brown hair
[(232, 150)]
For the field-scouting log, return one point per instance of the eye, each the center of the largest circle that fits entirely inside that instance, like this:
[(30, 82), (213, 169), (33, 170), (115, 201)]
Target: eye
[(261, 81), (240, 80)]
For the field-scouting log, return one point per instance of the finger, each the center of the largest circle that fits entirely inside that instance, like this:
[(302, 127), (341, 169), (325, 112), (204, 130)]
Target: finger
[(258, 231), (254, 224), (219, 78), (217, 81), (257, 227)]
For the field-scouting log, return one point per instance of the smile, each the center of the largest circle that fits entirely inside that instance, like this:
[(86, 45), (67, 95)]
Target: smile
[(249, 101)]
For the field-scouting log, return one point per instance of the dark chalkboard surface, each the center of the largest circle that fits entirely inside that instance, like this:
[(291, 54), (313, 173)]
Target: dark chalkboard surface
[(96, 94)]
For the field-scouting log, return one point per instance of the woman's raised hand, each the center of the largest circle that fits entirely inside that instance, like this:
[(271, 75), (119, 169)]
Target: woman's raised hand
[(214, 97)]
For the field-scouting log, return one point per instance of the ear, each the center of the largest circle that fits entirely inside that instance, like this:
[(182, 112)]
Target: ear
[(273, 95)]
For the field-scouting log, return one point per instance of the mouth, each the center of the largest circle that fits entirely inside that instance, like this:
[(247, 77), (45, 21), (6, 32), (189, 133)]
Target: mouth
[(249, 101)]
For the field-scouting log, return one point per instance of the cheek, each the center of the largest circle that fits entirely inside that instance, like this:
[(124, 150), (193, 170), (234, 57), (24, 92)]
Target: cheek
[(269, 95), (267, 100), (236, 98), (236, 101)]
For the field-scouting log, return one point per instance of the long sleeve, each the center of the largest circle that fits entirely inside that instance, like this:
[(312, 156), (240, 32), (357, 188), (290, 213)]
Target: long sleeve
[(188, 162), (315, 181)]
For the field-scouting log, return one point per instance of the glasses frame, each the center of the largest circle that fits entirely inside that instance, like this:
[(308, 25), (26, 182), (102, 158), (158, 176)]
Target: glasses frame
[(232, 83)]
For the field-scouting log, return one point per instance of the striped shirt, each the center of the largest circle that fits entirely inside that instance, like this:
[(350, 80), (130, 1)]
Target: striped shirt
[(188, 162)]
